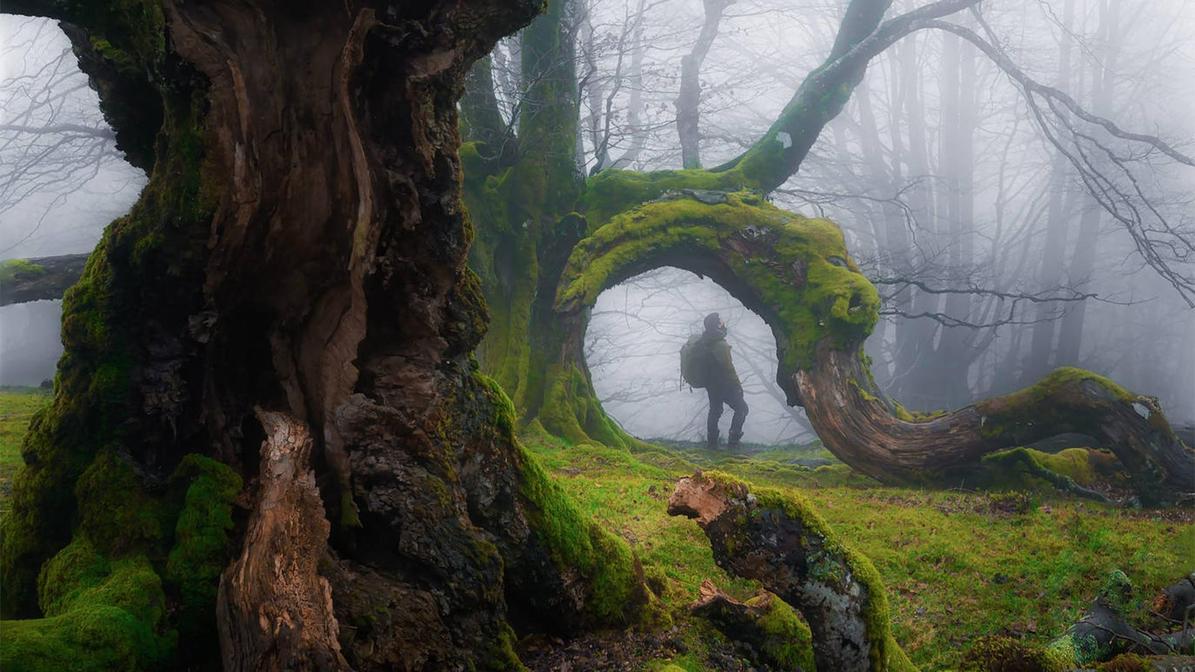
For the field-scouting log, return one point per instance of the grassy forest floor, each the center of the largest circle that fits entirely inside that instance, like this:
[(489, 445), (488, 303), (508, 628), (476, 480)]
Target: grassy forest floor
[(957, 564), (17, 406)]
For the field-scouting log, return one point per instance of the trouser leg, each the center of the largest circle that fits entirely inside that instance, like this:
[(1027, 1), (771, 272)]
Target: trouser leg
[(739, 405), (715, 414)]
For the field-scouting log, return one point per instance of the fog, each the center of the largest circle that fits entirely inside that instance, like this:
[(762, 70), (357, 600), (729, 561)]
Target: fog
[(58, 189), (955, 193)]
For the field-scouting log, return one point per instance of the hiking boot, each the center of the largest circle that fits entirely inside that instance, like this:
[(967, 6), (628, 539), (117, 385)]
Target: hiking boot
[(712, 442), (733, 442)]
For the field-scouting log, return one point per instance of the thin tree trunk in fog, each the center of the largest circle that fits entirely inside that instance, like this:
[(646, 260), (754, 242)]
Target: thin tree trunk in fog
[(914, 339), (1049, 276), (955, 350), (1082, 262), (688, 101)]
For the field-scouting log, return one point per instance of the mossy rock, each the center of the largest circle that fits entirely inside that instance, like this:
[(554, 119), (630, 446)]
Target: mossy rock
[(99, 615), (1004, 654), (787, 642), (1073, 470)]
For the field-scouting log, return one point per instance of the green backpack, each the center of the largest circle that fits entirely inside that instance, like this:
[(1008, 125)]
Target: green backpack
[(694, 362)]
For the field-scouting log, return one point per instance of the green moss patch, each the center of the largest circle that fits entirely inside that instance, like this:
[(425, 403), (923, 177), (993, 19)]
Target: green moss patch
[(616, 593), (99, 615), (954, 568), (13, 268), (793, 270)]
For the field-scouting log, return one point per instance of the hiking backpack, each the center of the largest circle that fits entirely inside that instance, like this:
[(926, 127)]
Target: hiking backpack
[(694, 362)]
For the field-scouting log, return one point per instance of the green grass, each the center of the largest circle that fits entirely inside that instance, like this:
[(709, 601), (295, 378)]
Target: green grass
[(17, 406), (955, 566)]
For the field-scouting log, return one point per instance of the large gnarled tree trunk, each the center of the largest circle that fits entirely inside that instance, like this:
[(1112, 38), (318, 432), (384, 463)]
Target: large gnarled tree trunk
[(290, 297)]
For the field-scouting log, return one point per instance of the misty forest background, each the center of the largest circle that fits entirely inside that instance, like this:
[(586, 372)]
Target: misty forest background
[(994, 263)]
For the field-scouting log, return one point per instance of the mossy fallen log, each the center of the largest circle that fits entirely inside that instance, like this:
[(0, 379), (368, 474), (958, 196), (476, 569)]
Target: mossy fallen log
[(41, 279)]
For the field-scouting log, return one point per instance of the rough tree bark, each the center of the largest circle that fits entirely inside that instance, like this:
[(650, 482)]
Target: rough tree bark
[(781, 542), (300, 248), (274, 608)]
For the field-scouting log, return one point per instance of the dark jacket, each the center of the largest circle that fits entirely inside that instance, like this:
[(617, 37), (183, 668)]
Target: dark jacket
[(721, 373)]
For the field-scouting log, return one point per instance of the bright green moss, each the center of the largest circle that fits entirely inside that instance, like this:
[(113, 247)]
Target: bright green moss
[(1004, 654), (611, 192), (101, 596), (502, 656), (504, 418), (616, 594), (572, 412), (202, 541), (119, 515), (100, 615), (1030, 469), (792, 269), (1058, 398), (788, 642)]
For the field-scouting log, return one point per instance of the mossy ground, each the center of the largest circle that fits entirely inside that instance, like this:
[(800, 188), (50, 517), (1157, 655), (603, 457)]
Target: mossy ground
[(103, 597), (17, 406), (955, 564)]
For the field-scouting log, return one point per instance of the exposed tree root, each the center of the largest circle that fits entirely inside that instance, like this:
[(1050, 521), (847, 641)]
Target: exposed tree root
[(1102, 635), (776, 636)]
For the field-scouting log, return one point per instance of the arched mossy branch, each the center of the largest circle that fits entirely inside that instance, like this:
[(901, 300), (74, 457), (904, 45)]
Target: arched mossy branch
[(791, 270), (795, 273)]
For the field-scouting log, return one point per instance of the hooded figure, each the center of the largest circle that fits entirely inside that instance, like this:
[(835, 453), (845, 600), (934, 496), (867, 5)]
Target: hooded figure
[(723, 384)]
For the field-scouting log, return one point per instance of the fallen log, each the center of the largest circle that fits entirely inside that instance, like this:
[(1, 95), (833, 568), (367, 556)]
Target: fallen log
[(40, 279)]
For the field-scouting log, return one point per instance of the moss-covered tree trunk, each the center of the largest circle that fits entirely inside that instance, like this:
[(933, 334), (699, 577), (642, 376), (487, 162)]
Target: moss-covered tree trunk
[(287, 307), (532, 212)]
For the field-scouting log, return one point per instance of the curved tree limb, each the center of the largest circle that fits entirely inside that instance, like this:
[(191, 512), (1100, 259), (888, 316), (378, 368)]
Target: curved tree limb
[(795, 273), (826, 90)]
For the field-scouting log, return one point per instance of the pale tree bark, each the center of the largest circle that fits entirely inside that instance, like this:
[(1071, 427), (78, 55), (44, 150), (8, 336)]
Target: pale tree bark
[(688, 101)]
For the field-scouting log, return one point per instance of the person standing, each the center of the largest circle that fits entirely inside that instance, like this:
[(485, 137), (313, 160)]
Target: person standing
[(722, 383)]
